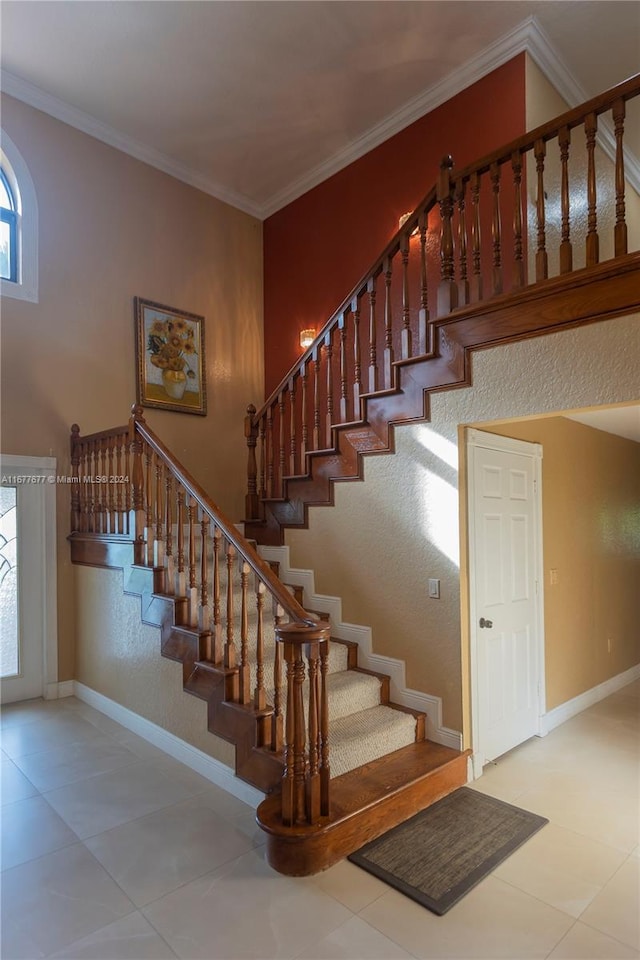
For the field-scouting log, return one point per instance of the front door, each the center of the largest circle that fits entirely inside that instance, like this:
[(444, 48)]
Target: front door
[(506, 623), (28, 649)]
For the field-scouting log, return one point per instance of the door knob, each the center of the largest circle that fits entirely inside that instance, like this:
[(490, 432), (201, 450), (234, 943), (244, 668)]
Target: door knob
[(485, 623)]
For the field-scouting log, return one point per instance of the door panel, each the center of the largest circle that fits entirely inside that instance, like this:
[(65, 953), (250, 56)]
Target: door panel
[(505, 629)]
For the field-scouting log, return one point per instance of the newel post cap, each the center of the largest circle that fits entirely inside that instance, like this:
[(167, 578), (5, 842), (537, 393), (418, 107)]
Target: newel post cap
[(299, 633)]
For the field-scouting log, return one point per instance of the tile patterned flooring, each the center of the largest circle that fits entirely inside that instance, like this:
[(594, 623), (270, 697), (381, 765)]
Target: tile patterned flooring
[(112, 850)]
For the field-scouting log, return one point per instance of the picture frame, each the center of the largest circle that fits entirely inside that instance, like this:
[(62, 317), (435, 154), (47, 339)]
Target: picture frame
[(170, 359)]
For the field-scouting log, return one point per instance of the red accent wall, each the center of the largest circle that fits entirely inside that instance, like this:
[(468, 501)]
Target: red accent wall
[(317, 247)]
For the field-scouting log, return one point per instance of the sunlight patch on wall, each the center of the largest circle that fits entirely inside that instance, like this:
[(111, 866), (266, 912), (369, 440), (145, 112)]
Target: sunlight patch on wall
[(440, 515), (439, 445)]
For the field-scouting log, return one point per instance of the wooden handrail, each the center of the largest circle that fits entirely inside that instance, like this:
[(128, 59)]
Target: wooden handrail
[(477, 238), (240, 543), (210, 576)]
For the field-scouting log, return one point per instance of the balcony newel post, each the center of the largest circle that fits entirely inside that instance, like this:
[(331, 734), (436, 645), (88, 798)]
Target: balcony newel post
[(137, 516), (304, 788), (252, 509), (447, 289), (75, 478)]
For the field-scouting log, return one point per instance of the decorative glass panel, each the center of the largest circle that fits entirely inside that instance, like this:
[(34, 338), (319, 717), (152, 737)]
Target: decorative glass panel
[(6, 200), (9, 645), (5, 250)]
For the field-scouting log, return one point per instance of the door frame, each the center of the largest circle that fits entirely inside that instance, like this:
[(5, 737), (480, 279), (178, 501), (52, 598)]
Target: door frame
[(491, 441), (41, 472)]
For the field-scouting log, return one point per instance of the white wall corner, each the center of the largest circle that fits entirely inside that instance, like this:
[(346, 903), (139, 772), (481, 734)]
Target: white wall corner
[(565, 711), (208, 767), (357, 633)]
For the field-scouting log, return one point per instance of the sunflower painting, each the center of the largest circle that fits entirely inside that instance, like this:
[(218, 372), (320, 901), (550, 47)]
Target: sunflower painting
[(170, 358)]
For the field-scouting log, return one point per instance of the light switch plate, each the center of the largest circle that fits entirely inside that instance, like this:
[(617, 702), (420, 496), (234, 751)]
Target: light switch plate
[(434, 589)]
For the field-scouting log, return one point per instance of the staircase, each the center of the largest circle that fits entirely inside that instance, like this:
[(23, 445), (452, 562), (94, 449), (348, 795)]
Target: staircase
[(340, 764)]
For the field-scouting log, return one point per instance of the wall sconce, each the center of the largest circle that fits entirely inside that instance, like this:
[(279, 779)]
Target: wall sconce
[(307, 337)]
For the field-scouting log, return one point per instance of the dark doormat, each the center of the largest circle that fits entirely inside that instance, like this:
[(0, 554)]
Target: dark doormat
[(444, 851)]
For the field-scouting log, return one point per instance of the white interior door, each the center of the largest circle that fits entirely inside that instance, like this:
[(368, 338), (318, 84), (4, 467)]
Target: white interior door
[(28, 636), (505, 582)]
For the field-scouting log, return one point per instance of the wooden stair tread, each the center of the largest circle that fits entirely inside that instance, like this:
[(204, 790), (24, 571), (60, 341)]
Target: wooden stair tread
[(365, 803), (364, 787)]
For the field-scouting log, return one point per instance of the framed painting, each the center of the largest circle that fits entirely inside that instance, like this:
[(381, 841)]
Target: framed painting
[(170, 358)]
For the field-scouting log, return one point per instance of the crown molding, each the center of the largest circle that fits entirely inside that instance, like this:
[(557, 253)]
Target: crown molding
[(495, 55), (542, 51), (36, 97), (527, 37)]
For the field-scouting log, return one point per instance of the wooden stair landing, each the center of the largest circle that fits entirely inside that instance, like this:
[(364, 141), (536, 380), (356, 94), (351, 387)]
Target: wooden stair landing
[(365, 803)]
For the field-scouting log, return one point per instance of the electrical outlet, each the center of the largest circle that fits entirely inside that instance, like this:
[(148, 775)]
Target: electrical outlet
[(434, 589), (553, 578)]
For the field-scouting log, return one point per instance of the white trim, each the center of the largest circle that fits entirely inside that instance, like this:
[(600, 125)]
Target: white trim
[(489, 441), (208, 767), (542, 51), (494, 441), (21, 183), (36, 97), (44, 468), (400, 693), (570, 708), (58, 691), (495, 55), (527, 37)]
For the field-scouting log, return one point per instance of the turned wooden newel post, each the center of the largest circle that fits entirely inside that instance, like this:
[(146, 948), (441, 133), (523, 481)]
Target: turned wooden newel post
[(447, 289), (75, 478), (305, 782), (137, 516), (252, 506)]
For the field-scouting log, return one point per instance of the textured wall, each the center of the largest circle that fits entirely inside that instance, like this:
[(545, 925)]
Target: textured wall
[(402, 525), (112, 228), (119, 656)]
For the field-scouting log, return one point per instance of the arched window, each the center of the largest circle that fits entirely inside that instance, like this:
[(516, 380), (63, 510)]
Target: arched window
[(18, 226), (8, 231)]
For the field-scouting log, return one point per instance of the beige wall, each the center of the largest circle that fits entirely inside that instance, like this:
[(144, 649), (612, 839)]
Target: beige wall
[(110, 634), (543, 103), (591, 538), (383, 539), (111, 228)]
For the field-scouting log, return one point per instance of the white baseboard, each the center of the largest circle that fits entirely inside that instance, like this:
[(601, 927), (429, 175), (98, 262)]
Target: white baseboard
[(57, 691), (565, 711), (197, 760), (400, 693)]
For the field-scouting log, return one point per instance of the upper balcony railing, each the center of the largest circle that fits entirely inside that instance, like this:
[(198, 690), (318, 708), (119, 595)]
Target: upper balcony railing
[(550, 203)]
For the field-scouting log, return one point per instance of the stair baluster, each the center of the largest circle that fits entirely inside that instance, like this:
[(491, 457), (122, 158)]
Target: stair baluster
[(252, 504), (620, 229), (593, 241), (423, 315), (373, 360), (496, 229), (245, 682), (357, 362), (518, 245), (566, 255), (463, 282), (260, 696)]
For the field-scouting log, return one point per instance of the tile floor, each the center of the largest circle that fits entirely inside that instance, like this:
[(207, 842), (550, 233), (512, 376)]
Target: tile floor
[(111, 849)]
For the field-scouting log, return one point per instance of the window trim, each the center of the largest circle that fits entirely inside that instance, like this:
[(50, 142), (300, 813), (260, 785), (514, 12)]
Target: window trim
[(25, 285)]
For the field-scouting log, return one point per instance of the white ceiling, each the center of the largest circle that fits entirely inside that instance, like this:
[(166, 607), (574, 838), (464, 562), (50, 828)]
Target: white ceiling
[(624, 421), (255, 102)]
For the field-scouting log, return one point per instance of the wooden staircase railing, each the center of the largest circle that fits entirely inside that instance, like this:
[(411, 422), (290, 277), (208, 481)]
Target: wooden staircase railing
[(471, 241), (128, 486)]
